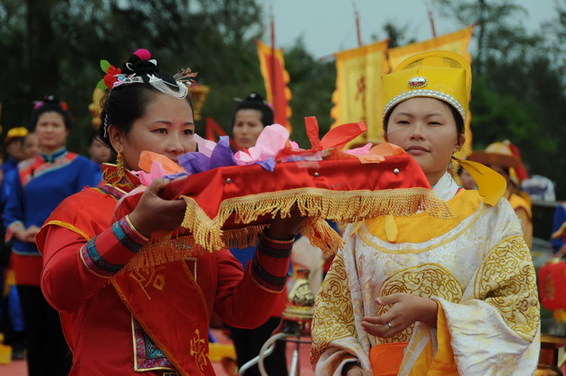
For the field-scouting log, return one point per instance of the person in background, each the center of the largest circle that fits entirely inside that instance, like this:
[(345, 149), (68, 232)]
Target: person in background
[(99, 153), (31, 146), (250, 117), (39, 185), (499, 156), (248, 120), (418, 295), (128, 313), (14, 147), (11, 316), (466, 180), (559, 230)]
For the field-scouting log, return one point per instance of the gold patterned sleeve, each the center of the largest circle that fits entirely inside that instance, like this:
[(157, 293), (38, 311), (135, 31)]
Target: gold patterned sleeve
[(507, 281), (334, 334)]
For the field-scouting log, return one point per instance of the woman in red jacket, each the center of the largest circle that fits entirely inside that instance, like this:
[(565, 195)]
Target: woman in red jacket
[(123, 320)]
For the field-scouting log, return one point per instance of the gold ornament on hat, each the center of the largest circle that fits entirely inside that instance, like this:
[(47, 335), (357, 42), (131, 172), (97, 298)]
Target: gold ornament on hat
[(417, 82)]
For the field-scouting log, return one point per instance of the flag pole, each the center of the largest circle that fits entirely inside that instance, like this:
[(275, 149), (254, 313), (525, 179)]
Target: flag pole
[(357, 19), (272, 72), (431, 18)]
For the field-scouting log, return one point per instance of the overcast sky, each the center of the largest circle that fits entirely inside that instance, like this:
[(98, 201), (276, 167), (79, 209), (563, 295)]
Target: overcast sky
[(328, 26)]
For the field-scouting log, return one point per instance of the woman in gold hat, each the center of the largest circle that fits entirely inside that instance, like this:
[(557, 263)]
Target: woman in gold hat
[(419, 295), (499, 156)]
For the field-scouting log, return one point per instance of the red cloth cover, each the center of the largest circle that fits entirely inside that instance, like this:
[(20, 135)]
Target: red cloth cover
[(228, 206), (552, 279)]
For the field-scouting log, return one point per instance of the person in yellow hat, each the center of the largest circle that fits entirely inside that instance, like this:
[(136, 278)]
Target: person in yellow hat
[(12, 328), (14, 148), (499, 156), (419, 295)]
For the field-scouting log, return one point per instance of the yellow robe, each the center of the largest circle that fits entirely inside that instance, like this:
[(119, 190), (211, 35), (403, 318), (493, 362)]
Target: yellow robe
[(476, 266)]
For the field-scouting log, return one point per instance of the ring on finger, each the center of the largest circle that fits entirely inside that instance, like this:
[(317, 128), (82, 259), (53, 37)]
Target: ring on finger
[(389, 325)]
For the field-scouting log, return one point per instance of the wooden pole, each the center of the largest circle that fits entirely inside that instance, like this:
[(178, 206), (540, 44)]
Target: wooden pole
[(357, 19), (431, 19), (272, 73)]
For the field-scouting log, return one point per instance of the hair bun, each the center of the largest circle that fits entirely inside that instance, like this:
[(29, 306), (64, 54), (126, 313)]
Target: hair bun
[(141, 63), (50, 101), (254, 97)]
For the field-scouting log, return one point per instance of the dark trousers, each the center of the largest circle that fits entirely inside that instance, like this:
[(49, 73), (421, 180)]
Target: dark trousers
[(248, 342), (48, 353)]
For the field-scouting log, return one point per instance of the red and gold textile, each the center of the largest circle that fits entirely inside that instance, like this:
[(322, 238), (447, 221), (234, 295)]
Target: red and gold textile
[(552, 279), (121, 321), (228, 206)]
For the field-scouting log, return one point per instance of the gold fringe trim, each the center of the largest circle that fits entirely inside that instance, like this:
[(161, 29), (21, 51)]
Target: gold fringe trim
[(200, 234), (315, 203)]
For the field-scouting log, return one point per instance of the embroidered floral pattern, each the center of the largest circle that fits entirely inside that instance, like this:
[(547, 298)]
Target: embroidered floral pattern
[(425, 280), (502, 281), (333, 316), (199, 350)]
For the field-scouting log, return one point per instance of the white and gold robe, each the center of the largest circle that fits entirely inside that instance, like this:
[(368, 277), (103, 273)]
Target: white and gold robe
[(476, 266)]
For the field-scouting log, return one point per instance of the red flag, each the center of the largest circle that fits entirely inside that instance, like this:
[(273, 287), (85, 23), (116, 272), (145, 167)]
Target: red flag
[(213, 131), (276, 78)]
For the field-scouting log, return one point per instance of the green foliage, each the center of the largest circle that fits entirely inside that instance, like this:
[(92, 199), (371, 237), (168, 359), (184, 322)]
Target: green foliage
[(519, 83), (55, 46)]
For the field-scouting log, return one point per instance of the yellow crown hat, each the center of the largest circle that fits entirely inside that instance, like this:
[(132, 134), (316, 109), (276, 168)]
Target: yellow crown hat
[(442, 75)]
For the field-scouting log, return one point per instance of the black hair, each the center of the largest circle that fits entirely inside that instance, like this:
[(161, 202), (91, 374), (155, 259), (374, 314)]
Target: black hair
[(51, 104), (254, 101), (457, 118), (126, 103)]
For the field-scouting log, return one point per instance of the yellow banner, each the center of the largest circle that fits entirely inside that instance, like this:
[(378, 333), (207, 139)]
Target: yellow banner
[(457, 42), (358, 88)]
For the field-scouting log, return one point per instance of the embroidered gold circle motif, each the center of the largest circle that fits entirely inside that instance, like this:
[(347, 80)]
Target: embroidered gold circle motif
[(425, 280), (417, 82)]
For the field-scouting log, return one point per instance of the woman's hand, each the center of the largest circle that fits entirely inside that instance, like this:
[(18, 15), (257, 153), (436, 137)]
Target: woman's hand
[(286, 228), (27, 235), (156, 214), (405, 310)]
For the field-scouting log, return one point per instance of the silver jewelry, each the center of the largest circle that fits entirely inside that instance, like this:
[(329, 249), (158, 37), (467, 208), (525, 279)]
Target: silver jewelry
[(389, 325)]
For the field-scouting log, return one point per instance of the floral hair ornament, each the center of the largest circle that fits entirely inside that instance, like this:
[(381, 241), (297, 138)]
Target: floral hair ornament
[(142, 68), (112, 75)]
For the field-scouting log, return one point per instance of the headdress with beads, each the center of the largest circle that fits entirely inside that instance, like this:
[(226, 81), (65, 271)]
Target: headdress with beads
[(142, 68)]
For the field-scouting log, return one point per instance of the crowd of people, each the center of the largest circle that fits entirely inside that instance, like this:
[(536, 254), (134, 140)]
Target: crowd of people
[(38, 174), (408, 295)]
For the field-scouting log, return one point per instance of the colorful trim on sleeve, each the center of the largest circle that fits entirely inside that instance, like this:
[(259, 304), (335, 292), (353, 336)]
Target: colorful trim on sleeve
[(120, 241), (275, 249), (266, 279), (95, 263)]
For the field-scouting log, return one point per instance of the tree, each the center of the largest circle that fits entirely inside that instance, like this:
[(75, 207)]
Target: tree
[(54, 46), (518, 88)]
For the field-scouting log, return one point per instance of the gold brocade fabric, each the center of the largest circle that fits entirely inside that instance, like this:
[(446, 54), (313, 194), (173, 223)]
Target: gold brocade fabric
[(476, 266)]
